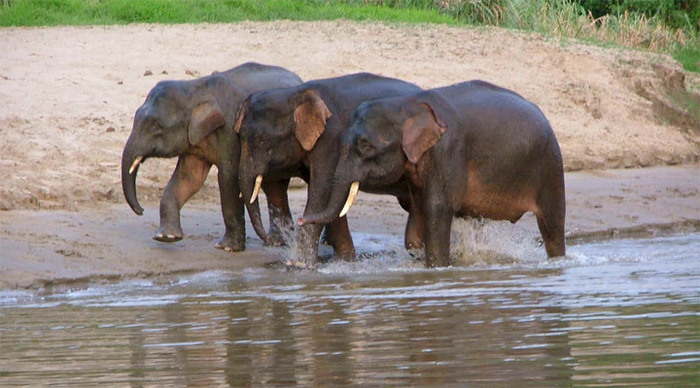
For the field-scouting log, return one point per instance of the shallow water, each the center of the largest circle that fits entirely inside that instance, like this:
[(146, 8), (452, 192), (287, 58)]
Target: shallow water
[(619, 312)]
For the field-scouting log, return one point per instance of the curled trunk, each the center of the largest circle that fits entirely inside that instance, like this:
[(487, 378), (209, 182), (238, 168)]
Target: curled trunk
[(129, 171), (256, 219), (336, 203)]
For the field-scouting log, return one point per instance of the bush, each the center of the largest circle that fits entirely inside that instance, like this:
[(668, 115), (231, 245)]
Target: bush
[(677, 14)]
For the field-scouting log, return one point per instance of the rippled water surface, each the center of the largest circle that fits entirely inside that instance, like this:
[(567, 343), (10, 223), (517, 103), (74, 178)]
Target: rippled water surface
[(621, 312)]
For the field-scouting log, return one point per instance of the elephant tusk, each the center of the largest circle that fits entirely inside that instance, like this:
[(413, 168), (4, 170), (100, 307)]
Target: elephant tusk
[(354, 188), (256, 189), (136, 163)]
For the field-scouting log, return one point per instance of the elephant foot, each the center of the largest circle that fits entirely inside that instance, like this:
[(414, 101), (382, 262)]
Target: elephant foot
[(417, 254), (296, 265), (346, 255), (168, 236), (230, 244), (299, 262), (275, 239)]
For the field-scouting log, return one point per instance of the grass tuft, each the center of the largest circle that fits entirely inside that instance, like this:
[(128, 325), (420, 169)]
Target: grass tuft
[(689, 57)]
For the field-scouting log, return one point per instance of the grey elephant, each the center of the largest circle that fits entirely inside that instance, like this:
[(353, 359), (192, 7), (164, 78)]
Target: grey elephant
[(193, 120), (296, 131), (471, 149)]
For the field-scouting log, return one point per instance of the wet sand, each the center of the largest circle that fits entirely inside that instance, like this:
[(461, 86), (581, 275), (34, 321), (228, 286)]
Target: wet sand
[(105, 243)]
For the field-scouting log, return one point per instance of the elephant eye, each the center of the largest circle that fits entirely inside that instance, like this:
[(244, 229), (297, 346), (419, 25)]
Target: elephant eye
[(261, 143), (365, 147), (155, 127)]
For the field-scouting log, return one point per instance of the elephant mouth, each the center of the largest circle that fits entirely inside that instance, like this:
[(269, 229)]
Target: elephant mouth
[(137, 161), (331, 211)]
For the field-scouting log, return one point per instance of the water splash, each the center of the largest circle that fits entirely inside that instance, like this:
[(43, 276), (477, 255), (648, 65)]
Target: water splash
[(474, 243), (478, 242), (376, 254)]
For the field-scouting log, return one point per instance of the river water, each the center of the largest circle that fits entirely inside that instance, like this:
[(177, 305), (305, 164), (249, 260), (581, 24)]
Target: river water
[(618, 312)]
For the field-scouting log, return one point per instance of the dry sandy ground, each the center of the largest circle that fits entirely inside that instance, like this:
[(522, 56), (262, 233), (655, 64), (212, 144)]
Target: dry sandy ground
[(68, 94)]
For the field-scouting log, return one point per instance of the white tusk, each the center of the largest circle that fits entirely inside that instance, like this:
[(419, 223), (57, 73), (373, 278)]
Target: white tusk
[(136, 163), (256, 189), (354, 188)]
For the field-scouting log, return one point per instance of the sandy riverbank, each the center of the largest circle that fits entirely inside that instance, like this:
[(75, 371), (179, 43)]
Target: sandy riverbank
[(69, 93)]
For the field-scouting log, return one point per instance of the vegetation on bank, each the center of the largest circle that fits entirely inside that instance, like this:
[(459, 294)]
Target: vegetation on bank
[(660, 25), (91, 12)]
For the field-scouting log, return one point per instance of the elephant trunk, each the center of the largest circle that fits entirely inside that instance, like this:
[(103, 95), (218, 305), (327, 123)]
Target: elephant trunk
[(130, 167), (256, 219), (246, 185), (339, 204)]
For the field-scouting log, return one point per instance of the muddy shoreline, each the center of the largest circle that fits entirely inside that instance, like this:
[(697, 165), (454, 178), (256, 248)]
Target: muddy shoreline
[(44, 249)]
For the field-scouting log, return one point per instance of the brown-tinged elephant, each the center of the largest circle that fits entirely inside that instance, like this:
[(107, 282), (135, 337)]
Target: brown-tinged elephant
[(193, 120), (296, 132), (471, 149)]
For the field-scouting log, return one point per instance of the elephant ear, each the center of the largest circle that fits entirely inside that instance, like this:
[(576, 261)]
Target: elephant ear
[(310, 119), (205, 118), (240, 115), (421, 131)]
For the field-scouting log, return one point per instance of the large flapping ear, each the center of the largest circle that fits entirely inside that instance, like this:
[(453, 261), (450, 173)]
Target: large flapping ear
[(205, 118), (421, 131), (310, 119), (240, 115)]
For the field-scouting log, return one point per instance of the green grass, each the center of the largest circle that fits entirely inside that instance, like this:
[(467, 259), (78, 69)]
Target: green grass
[(563, 18), (689, 57), (95, 12)]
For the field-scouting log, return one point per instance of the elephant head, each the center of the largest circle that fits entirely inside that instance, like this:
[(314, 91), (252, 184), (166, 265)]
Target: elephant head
[(175, 117), (383, 138), (277, 128)]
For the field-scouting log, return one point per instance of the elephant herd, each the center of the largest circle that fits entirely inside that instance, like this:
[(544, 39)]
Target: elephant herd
[(471, 149)]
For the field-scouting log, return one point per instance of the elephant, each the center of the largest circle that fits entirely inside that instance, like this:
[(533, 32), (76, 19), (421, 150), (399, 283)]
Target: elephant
[(193, 120), (472, 149), (296, 132)]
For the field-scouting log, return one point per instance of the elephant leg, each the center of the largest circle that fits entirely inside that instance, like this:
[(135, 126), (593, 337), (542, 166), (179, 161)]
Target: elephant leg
[(307, 244), (415, 227), (308, 235), (281, 222), (188, 177), (551, 215), (415, 232), (318, 195), (438, 224), (341, 239), (232, 208), (327, 236), (405, 203)]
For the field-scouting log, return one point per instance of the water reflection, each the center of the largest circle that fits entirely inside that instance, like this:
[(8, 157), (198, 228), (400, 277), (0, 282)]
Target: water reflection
[(629, 321)]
